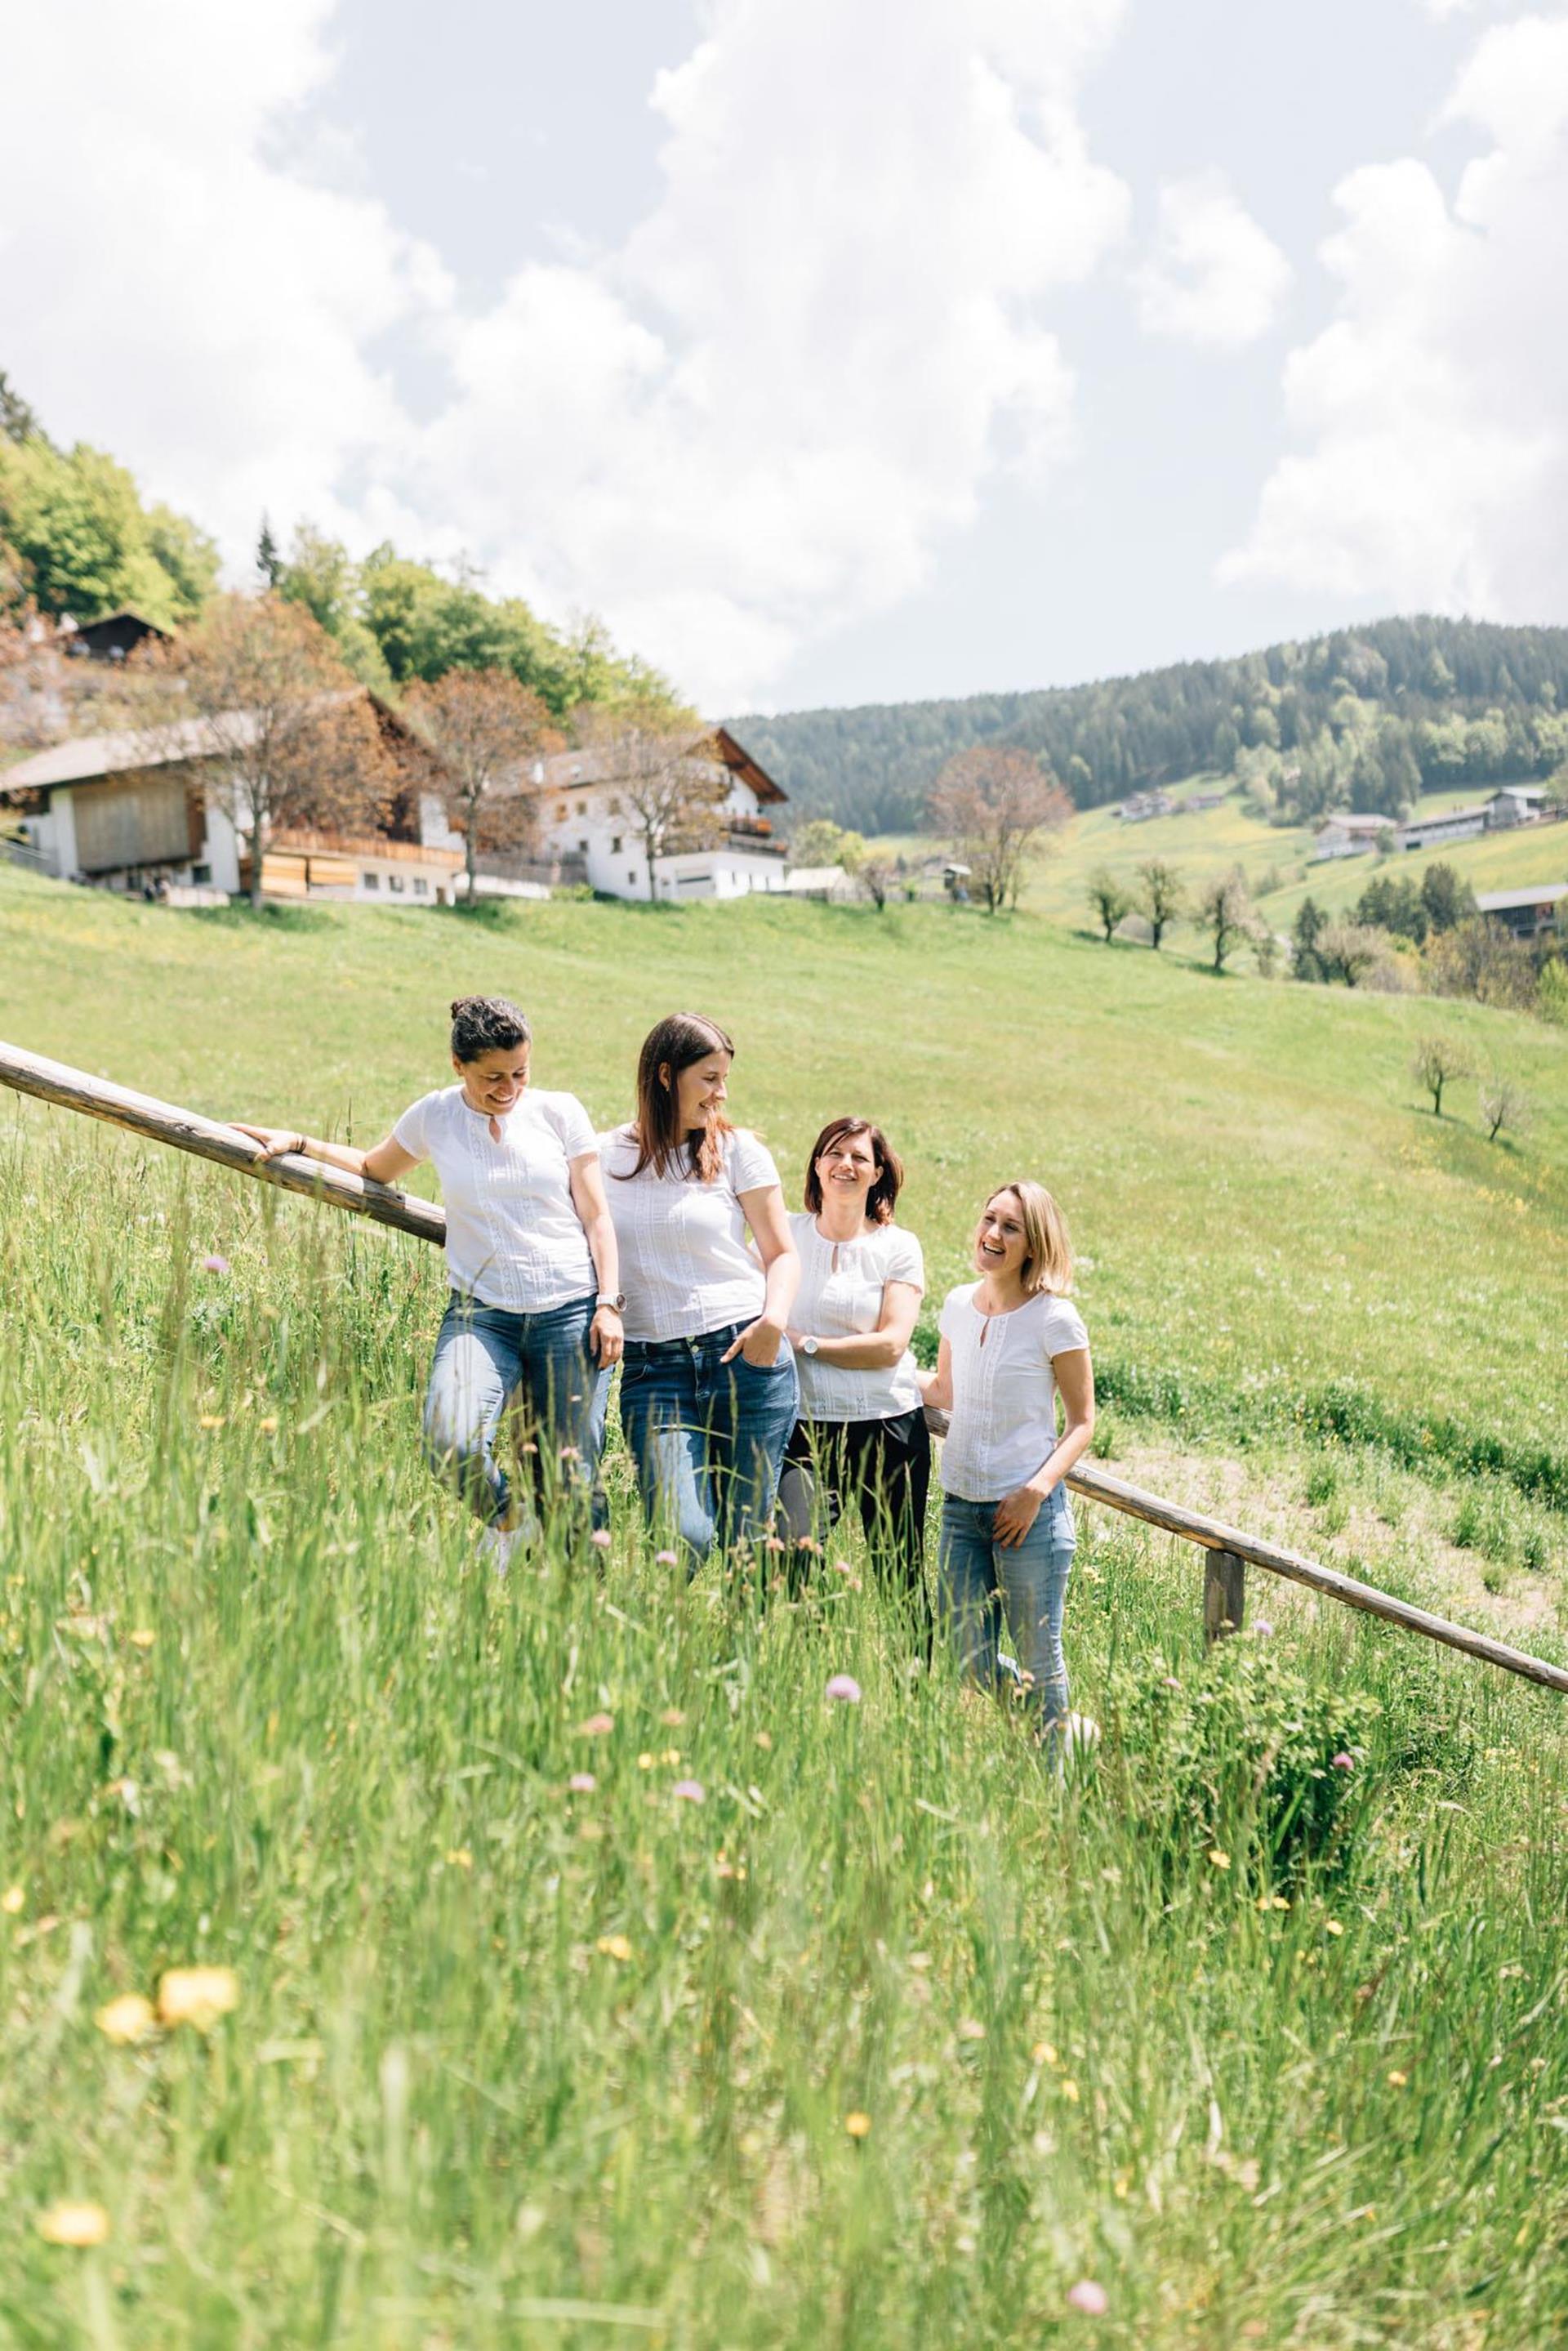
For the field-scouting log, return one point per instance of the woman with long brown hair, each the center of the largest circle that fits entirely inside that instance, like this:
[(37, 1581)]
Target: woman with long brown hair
[(707, 1392), (861, 1438)]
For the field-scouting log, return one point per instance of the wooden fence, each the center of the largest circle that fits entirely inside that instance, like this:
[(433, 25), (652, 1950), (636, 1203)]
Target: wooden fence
[(1228, 1552)]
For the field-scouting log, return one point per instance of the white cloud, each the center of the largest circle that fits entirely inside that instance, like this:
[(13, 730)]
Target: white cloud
[(1434, 465), (1214, 277), (172, 291), (757, 421), (754, 422)]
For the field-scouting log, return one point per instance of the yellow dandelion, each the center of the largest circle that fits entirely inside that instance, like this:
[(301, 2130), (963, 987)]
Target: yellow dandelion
[(1218, 1860), (644, 1761), (1397, 2081), (1279, 1902), (614, 1947), (11, 1901), (858, 2124), (1043, 2055), (143, 1638), (269, 1424), (458, 1857), (671, 1756), (74, 2224), (1332, 1927), (129, 2018), (197, 1996), (210, 1420), (1070, 2090)]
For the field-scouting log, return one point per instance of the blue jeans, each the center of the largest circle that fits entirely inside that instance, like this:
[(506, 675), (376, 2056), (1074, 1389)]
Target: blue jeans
[(707, 1436), (488, 1360), (985, 1585)]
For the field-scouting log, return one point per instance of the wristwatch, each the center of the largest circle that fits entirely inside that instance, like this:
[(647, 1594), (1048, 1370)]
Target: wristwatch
[(618, 1301), (809, 1347)]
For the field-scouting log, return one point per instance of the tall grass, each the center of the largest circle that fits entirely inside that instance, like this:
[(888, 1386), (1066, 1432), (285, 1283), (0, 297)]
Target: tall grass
[(888, 2039)]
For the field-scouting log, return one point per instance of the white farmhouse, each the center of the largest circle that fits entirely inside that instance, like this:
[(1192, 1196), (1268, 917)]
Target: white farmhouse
[(589, 830)]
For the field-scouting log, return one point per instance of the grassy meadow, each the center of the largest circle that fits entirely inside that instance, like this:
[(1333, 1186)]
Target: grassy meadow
[(595, 1978)]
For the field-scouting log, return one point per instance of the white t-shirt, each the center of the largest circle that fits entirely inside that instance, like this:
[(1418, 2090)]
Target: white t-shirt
[(686, 1266), (513, 1238), (841, 1286), (1004, 1391)]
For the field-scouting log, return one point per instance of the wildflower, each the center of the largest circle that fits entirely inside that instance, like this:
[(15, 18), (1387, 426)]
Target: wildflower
[(143, 1638), (74, 2224), (213, 1263), (763, 1740), (571, 1453), (842, 1567), (672, 1717), (582, 1784), (11, 1901), (1043, 2053), (197, 1996), (691, 1791), (666, 1559), (1344, 1763), (614, 1947), (646, 1761), (671, 1756), (1262, 1629), (597, 1726), (600, 1539), (970, 2029), (459, 1858), (845, 1689), (1091, 2299), (210, 1420), (269, 1424), (858, 2124), (1397, 2081), (1070, 2090), (1332, 1927), (1218, 1859), (129, 2018)]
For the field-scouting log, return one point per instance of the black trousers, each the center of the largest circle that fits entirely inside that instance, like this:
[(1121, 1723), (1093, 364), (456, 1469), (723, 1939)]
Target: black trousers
[(884, 1467)]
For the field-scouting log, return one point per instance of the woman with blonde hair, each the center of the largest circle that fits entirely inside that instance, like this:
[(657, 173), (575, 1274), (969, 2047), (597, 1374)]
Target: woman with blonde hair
[(1011, 1344), (707, 1392)]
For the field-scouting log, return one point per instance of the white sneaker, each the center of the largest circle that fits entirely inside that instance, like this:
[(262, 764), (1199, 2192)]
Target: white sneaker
[(497, 1544)]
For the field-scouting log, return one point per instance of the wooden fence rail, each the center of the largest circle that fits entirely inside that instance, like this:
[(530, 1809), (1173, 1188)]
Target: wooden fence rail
[(1228, 1551)]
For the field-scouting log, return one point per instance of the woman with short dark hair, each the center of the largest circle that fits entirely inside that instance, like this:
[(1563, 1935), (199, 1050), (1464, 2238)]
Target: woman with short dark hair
[(533, 1324), (708, 1389), (861, 1437)]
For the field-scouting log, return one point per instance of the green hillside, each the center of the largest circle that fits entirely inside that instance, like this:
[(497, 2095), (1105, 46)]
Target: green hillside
[(1367, 718), (582, 1973)]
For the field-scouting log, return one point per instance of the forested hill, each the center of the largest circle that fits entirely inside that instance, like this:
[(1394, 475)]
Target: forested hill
[(1371, 714)]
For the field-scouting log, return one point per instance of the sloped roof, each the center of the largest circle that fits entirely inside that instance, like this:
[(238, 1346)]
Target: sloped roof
[(596, 764), (1501, 901), (85, 759)]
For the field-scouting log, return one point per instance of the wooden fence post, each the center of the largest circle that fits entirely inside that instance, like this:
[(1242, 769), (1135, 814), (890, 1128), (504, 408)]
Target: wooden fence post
[(1224, 1594)]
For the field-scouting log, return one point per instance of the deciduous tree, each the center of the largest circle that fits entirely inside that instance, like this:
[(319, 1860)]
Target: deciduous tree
[(1351, 951), (1225, 912), (1439, 1062), (998, 807), (667, 775), (258, 692), (483, 728), (1108, 901), (1503, 1102), (1161, 896)]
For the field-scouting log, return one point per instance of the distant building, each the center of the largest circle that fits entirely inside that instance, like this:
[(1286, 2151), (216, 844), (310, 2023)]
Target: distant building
[(148, 811), (112, 637), (1199, 800), (1515, 804), (587, 826), (1451, 824), (827, 882), (1139, 807), (1527, 914), (1352, 836)]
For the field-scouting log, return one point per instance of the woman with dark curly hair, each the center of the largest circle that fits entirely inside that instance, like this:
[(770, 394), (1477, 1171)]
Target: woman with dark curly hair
[(533, 1324)]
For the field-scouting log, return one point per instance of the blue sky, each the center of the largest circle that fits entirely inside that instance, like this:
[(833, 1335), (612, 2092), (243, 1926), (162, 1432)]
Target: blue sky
[(832, 352)]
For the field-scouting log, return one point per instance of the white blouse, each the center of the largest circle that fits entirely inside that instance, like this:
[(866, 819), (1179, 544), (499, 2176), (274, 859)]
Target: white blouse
[(841, 1287), (513, 1237), (686, 1265), (1004, 1425)]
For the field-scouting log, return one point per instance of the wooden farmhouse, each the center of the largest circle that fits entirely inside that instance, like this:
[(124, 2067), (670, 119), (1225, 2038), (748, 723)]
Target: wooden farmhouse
[(586, 828), (148, 813)]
